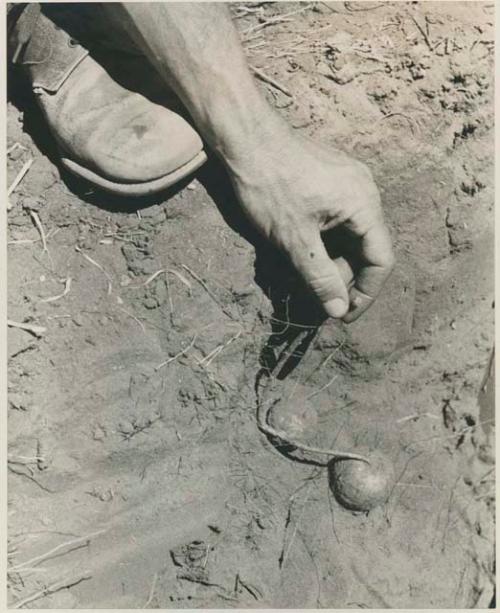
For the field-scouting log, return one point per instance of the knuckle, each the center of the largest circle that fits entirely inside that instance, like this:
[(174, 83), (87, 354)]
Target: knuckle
[(324, 286)]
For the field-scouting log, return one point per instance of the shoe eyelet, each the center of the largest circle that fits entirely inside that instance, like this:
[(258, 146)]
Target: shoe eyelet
[(72, 42)]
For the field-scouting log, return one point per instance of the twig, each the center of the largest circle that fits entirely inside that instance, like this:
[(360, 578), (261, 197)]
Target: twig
[(33, 570), (170, 301), (400, 476), (67, 288), (14, 147), (133, 317), (252, 590), (322, 389), (153, 276), (94, 263), (20, 176), (327, 5), (209, 291), (28, 459), (288, 352), (263, 410), (423, 32), (260, 26), (178, 355), (296, 527), (30, 477), (136, 429), (200, 581), (36, 219), (371, 590), (206, 361), (351, 9), (404, 484), (415, 416), (51, 589), (448, 515), (23, 241), (181, 278), (151, 591), (270, 81), (30, 533), (437, 437), (290, 324), (313, 562), (30, 241), (37, 331), (48, 554), (262, 43), (324, 363), (274, 20)]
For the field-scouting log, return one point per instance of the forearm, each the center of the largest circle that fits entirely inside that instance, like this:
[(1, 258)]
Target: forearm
[(197, 51), (290, 187)]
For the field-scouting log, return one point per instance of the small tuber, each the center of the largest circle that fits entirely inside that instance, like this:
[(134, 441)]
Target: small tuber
[(359, 486)]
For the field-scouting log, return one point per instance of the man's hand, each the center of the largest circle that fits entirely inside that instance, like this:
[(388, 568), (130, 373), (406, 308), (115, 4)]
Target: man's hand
[(293, 190)]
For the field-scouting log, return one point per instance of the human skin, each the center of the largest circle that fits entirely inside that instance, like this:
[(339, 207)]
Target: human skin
[(292, 189)]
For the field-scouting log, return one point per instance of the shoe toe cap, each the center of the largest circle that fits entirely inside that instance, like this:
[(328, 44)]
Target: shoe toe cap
[(145, 147)]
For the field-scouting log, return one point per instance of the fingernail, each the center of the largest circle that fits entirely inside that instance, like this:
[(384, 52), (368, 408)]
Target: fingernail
[(335, 308)]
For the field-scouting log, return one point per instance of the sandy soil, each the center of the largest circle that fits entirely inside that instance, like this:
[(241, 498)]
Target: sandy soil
[(137, 475)]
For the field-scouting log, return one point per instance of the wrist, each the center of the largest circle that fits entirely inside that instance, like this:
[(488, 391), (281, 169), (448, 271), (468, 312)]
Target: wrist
[(258, 141), (240, 127)]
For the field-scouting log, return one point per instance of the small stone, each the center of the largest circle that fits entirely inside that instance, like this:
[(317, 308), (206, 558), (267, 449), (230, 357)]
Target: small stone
[(17, 402), (99, 433), (78, 320), (16, 153), (150, 303)]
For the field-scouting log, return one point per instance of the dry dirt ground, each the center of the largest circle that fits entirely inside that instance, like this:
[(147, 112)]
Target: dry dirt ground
[(137, 475)]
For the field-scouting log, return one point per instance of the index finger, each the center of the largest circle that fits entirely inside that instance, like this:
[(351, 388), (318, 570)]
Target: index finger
[(377, 262)]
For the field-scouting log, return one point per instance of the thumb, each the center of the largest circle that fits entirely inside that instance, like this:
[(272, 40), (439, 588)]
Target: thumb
[(321, 274)]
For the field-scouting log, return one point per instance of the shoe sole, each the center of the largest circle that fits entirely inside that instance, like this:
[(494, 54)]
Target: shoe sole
[(136, 189)]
